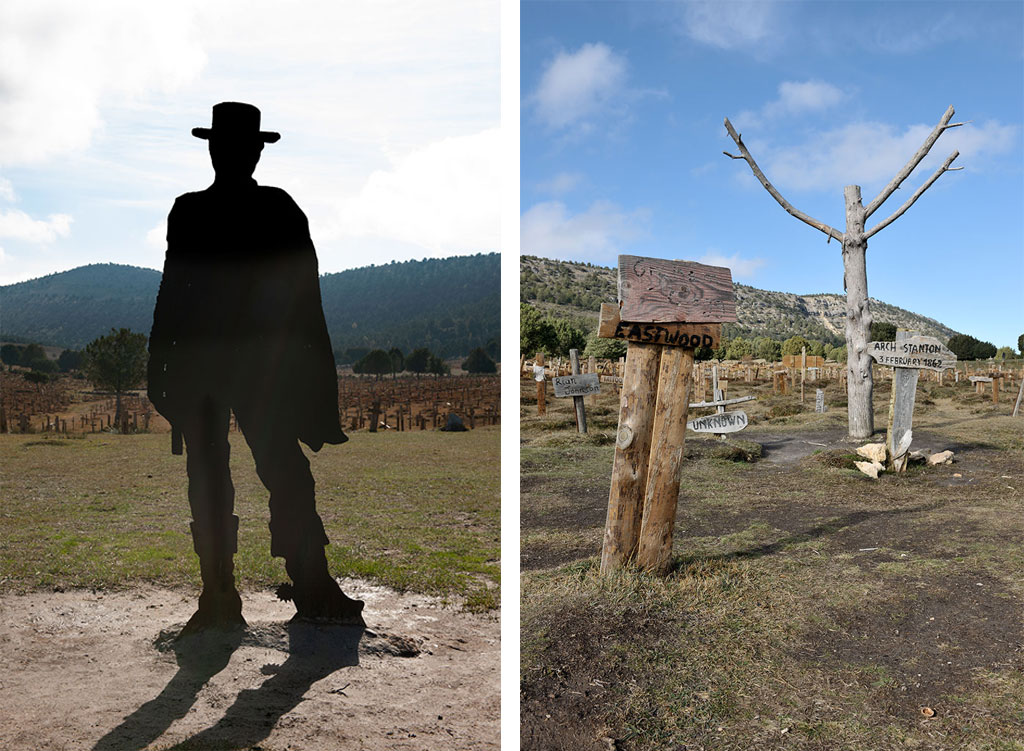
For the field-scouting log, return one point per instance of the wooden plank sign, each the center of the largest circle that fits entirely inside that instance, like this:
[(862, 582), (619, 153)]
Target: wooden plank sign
[(913, 352), (666, 310), (725, 422), (690, 335), (656, 290), (577, 385)]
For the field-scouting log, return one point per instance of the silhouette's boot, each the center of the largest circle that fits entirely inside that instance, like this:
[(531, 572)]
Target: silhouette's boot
[(220, 605), (315, 591)]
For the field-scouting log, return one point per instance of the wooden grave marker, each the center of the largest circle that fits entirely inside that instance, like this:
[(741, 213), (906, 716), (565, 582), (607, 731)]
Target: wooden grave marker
[(721, 422), (907, 355), (666, 310), (577, 385), (538, 376)]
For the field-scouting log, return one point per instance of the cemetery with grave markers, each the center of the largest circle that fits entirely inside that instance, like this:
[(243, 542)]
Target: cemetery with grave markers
[(760, 589)]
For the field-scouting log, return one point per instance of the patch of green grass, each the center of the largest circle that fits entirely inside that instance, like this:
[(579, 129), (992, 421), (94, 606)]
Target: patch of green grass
[(415, 511)]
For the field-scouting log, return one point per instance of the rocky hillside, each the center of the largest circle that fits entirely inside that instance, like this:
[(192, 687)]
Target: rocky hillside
[(576, 291)]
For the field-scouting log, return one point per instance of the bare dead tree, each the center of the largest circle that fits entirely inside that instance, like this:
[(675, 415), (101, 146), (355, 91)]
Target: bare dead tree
[(854, 243)]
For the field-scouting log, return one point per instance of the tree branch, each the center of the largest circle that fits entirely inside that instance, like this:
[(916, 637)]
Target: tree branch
[(917, 194), (771, 188), (915, 160)]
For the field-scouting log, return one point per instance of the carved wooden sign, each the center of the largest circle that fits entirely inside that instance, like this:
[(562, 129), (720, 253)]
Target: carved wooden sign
[(690, 335), (577, 385), (666, 310), (913, 352), (656, 290), (724, 422)]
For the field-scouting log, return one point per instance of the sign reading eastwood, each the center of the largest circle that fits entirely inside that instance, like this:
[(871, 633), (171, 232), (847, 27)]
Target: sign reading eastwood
[(724, 422), (577, 385), (686, 335), (913, 352)]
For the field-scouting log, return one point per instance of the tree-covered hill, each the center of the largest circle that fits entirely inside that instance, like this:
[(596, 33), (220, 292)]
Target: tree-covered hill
[(449, 305), (575, 291)]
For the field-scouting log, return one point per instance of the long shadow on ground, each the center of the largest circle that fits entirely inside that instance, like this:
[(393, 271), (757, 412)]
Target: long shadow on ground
[(314, 652)]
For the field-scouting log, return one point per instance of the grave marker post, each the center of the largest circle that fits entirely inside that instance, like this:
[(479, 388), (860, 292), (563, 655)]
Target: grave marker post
[(666, 310), (906, 356), (538, 376)]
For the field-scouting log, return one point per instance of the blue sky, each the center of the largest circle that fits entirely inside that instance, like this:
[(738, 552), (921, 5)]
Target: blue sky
[(389, 112), (622, 135)]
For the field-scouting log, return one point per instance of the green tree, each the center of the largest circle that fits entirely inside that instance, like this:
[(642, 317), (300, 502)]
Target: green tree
[(984, 350), (1005, 353), (1020, 344), (794, 345), (738, 348), (962, 346), (966, 347), (70, 359), (606, 349), (569, 337), (766, 348), (33, 356), (116, 362), (11, 354), (479, 362), (376, 362), (536, 332), (418, 360), (397, 361), (437, 366), (882, 331), (817, 349)]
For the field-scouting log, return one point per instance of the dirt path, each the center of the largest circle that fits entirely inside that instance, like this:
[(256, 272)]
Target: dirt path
[(84, 670)]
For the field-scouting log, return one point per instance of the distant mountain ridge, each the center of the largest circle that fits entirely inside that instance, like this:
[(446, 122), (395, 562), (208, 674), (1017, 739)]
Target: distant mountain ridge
[(576, 290), (449, 305)]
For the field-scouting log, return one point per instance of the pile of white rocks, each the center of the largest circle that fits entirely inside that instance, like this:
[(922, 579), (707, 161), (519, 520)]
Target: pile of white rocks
[(876, 455)]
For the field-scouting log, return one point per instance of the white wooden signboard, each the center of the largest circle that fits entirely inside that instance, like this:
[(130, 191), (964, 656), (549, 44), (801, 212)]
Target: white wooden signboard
[(724, 422), (913, 352), (577, 385)]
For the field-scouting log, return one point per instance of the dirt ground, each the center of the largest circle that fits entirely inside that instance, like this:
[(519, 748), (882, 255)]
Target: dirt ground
[(101, 670), (808, 606)]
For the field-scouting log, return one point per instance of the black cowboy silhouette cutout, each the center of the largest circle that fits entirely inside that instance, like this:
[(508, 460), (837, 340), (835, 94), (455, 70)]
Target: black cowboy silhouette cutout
[(239, 326)]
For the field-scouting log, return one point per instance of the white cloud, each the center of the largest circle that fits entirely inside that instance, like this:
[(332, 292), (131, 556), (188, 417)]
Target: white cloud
[(795, 98), (731, 25), (597, 234), (7, 190), (579, 85), (444, 197), (560, 184), (157, 237), (60, 60), (20, 226), (871, 153), (742, 268)]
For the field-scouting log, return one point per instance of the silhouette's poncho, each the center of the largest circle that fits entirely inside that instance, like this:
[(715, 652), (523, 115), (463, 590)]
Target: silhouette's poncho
[(239, 318)]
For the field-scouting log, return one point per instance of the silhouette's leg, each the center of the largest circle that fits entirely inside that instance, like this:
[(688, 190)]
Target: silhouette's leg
[(211, 497), (296, 530)]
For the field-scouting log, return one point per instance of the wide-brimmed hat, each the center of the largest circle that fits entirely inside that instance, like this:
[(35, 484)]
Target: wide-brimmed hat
[(236, 120)]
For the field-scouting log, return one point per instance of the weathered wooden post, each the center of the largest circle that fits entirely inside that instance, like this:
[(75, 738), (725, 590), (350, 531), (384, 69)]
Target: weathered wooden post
[(592, 368), (538, 376), (906, 355), (577, 386), (666, 310), (1020, 395), (803, 371)]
